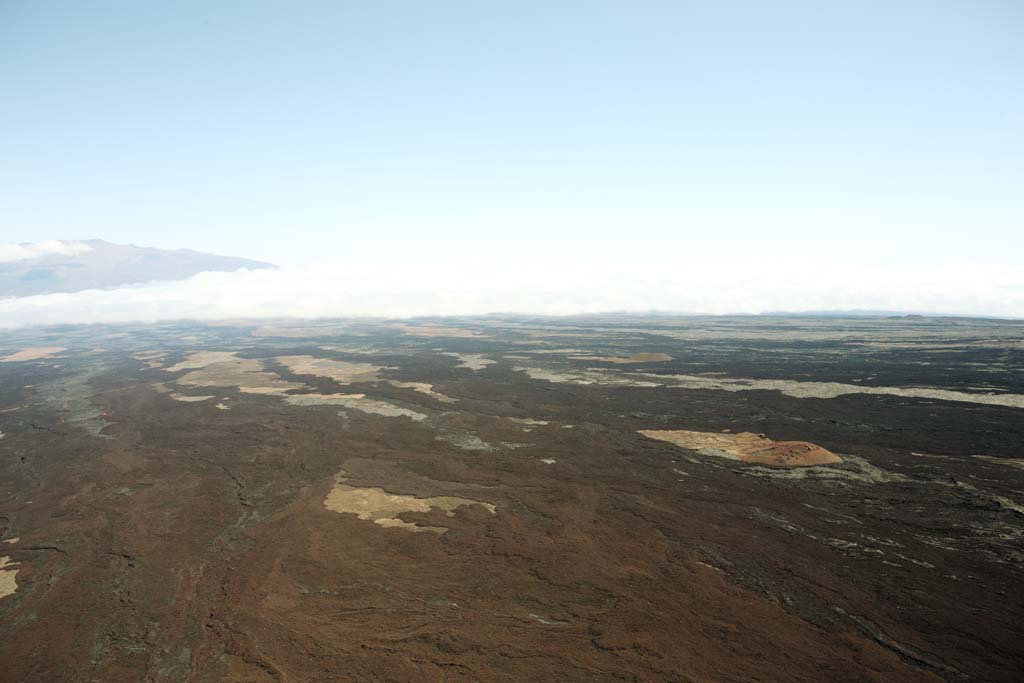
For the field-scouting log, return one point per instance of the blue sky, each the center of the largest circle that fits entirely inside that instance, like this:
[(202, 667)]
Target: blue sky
[(866, 132)]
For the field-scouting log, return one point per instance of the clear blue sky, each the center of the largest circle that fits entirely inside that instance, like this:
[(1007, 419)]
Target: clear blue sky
[(860, 131)]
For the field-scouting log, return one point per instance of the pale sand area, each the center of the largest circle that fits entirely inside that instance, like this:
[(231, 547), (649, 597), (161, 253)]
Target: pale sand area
[(527, 424), (347, 372), (793, 388), (162, 388), (834, 389), (14, 539), (32, 353), (1017, 463), (342, 371), (184, 398), (589, 376), (383, 508), (225, 369), (467, 442), (437, 331), (748, 447), (304, 331), (471, 361), (635, 358), (8, 584), (152, 359), (202, 359), (355, 402), (422, 388)]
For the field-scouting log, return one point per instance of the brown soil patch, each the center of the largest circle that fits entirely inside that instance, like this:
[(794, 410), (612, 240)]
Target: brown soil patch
[(748, 447), (383, 508), (32, 353)]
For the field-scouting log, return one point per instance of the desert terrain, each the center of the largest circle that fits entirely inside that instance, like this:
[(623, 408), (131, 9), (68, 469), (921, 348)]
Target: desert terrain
[(603, 498)]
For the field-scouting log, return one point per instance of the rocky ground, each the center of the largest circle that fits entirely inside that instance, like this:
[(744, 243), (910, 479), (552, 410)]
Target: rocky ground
[(514, 499)]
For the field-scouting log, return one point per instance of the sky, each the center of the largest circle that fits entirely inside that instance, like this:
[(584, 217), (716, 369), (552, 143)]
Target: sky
[(646, 138)]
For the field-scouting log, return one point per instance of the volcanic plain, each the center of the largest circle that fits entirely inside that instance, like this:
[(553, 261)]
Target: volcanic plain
[(614, 498)]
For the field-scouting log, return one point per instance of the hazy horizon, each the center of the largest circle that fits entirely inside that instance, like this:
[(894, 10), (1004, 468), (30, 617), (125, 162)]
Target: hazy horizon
[(731, 157)]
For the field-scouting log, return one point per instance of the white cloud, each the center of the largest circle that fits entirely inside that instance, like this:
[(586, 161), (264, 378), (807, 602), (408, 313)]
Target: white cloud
[(13, 251), (358, 289)]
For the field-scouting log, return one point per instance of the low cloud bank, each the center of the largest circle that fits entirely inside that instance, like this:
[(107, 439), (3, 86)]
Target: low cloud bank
[(13, 251), (353, 289)]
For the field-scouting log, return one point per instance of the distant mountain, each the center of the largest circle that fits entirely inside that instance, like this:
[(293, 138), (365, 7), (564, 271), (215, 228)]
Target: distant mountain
[(62, 266)]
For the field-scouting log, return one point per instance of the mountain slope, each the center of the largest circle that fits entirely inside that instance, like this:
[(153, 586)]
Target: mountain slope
[(97, 264)]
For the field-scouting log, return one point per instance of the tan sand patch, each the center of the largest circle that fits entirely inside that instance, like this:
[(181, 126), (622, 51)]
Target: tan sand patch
[(32, 353), (346, 372), (202, 359), (8, 584), (341, 371), (748, 447), (383, 508), (635, 358), (225, 369), (15, 539)]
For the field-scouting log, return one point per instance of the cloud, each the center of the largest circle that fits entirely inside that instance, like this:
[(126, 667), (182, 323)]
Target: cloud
[(13, 251), (341, 289)]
